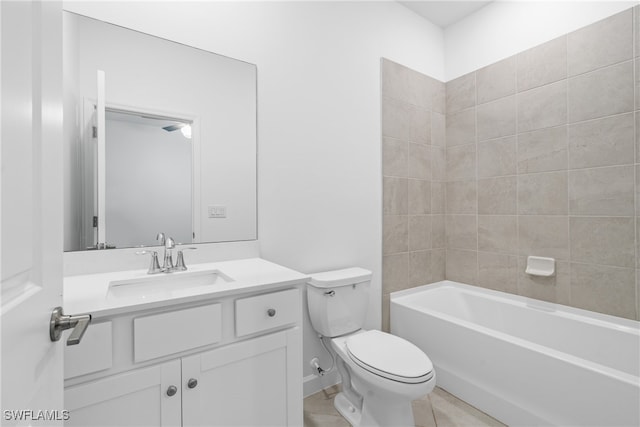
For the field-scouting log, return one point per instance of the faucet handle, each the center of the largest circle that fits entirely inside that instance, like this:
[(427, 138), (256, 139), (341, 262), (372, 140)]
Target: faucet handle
[(161, 238), (180, 261), (154, 266)]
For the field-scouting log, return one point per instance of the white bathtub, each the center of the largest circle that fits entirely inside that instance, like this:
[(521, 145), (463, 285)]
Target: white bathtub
[(523, 361)]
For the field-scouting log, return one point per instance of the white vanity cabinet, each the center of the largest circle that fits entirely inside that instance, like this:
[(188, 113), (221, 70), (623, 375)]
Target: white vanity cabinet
[(236, 361)]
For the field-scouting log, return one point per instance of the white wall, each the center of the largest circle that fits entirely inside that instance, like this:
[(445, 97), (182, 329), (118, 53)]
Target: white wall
[(504, 28), (319, 161)]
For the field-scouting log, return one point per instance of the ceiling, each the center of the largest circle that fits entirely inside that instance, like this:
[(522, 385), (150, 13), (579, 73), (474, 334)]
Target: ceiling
[(444, 13)]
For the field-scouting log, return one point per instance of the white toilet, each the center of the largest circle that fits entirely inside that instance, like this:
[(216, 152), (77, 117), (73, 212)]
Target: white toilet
[(381, 373)]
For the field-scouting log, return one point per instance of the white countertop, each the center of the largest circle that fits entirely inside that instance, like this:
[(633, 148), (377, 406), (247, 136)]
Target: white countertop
[(90, 293)]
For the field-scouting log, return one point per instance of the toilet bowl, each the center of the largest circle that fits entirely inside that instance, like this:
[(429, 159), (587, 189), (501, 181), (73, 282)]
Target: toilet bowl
[(381, 373)]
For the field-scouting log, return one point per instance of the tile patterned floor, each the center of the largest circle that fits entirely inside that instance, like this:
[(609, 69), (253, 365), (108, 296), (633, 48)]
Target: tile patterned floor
[(438, 409)]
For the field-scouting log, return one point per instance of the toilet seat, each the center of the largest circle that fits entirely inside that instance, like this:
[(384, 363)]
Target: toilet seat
[(389, 356)]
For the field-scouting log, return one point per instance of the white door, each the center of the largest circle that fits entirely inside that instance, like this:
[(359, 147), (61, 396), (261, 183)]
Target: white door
[(31, 210)]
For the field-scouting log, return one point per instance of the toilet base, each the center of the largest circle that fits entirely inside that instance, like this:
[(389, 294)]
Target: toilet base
[(375, 412), (348, 411)]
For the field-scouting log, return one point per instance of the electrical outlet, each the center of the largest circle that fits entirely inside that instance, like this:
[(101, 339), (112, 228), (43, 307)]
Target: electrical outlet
[(217, 211)]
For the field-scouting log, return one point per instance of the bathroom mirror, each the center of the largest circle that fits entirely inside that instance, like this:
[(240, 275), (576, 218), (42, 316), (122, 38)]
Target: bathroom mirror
[(159, 137)]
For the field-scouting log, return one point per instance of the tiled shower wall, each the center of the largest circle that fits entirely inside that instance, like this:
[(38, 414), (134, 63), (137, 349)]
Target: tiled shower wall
[(542, 158), (413, 151)]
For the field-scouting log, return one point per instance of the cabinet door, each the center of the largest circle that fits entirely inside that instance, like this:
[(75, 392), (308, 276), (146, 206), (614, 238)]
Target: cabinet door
[(257, 382), (134, 398)]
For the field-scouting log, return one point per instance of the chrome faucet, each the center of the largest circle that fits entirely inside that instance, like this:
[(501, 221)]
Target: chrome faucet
[(167, 265)]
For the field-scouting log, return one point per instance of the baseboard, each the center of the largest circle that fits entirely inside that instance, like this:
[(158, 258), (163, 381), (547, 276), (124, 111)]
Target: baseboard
[(314, 383)]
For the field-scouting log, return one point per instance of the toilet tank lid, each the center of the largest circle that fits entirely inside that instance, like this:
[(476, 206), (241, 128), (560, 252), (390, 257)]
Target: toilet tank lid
[(336, 278)]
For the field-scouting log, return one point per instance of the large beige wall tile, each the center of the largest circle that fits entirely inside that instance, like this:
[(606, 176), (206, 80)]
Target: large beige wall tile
[(395, 80), (406, 85), (438, 197), (556, 288), (395, 196), (462, 266), (438, 164), (638, 135), (604, 289), (438, 265), (420, 89), (637, 193), (546, 236), (438, 97), (419, 194), (636, 29), (543, 150), (543, 193), (496, 80), (419, 161), (395, 272), (438, 237), (394, 157), (461, 93), (602, 142), (419, 232), (461, 197), (543, 64), (419, 124), (386, 327), (419, 268), (498, 233), (395, 237), (637, 76), (395, 118), (498, 272), (542, 107), (603, 43), (496, 118), (461, 127), (461, 162), (602, 191), (438, 129), (601, 93), (603, 240), (497, 157), (461, 232), (497, 196)]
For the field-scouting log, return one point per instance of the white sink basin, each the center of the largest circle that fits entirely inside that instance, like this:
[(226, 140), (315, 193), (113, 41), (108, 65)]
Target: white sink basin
[(166, 284)]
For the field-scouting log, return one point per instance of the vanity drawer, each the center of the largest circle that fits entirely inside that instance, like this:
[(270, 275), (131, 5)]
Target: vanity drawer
[(92, 354), (168, 333), (268, 311)]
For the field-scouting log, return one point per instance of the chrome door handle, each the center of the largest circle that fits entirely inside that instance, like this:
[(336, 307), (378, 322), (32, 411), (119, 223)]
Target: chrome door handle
[(60, 322)]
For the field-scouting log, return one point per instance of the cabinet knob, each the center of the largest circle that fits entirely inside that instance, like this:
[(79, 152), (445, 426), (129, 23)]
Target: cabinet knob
[(192, 383), (271, 312), (172, 390)]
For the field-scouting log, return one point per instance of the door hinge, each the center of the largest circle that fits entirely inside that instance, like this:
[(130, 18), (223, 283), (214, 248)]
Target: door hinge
[(95, 131), (95, 221)]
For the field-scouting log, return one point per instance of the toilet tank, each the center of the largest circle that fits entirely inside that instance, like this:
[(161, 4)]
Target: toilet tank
[(338, 300)]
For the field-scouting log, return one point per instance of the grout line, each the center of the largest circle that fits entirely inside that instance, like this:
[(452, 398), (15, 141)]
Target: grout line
[(475, 78), (517, 142), (568, 165), (634, 29)]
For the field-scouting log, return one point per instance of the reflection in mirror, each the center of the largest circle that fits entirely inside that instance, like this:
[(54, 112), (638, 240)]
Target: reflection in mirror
[(144, 196), (180, 140)]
